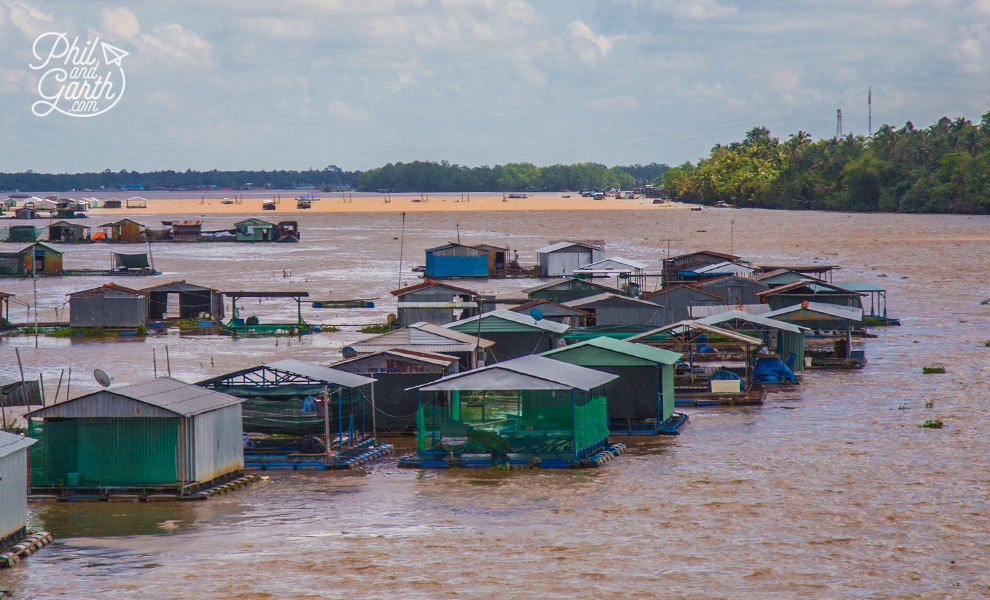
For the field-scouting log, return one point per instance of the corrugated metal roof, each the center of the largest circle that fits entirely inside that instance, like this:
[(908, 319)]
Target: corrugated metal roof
[(436, 305), (175, 396), (552, 284), (611, 264), (815, 285), (98, 291), (426, 337), (649, 353), (832, 310), (433, 358), (724, 267), (730, 315), (701, 311), (177, 286), (548, 305), (609, 296), (428, 284), (686, 325), (562, 245), (524, 373), (508, 315), (319, 372), (10, 443), (861, 287)]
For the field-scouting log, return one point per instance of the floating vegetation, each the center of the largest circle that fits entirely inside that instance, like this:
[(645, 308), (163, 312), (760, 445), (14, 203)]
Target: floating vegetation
[(932, 424), (929, 403), (381, 328), (88, 332), (987, 343), (932, 370)]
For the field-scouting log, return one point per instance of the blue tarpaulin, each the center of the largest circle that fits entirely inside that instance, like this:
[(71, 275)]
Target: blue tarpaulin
[(723, 375), (772, 370)]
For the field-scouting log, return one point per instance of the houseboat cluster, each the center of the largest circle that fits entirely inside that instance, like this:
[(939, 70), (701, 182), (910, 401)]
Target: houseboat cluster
[(598, 349), (130, 231)]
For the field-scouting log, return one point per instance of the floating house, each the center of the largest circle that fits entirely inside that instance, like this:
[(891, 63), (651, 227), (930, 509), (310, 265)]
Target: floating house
[(553, 311), (159, 435), (435, 302), (275, 401), (630, 272), (514, 334), (877, 315), (181, 300), (785, 339), (778, 277), (13, 488), (563, 290), (395, 371), (496, 257), (126, 263), (39, 257), (287, 231), (735, 289), (110, 305), (63, 231), (24, 233), (124, 230), (807, 290), (641, 400), (424, 337), (113, 203), (457, 260), (254, 230), (716, 365), (718, 270), (687, 263), (25, 212), (563, 258), (613, 309), (187, 231), (828, 321), (531, 410), (813, 271), (677, 301)]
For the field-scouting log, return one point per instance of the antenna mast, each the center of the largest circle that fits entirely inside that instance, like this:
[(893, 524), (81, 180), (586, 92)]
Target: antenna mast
[(838, 123), (869, 109)]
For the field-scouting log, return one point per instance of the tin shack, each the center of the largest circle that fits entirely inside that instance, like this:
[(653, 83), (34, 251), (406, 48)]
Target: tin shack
[(162, 434), (254, 230), (563, 258), (182, 300), (514, 334), (13, 488), (109, 305), (457, 260), (434, 302)]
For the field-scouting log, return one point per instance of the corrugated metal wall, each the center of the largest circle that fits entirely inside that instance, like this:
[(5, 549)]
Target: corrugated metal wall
[(107, 312), (555, 264), (13, 492), (217, 448), (619, 315), (439, 316), (456, 266)]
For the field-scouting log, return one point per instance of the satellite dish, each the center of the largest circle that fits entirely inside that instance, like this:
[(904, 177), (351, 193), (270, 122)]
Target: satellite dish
[(536, 313), (101, 377), (348, 352)]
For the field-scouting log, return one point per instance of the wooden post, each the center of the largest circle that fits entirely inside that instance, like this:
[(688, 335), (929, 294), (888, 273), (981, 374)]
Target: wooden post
[(68, 383), (374, 426), (20, 367), (168, 361), (41, 376), (58, 388), (326, 420)]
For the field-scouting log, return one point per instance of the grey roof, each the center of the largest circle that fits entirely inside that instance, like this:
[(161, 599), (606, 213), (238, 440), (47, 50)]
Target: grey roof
[(172, 395), (433, 358), (523, 373), (832, 310), (556, 282), (861, 287), (178, 286), (688, 325), (579, 302), (451, 305), (723, 267), (700, 311), (10, 443), (562, 245), (425, 337), (508, 315), (319, 372), (730, 315), (620, 264)]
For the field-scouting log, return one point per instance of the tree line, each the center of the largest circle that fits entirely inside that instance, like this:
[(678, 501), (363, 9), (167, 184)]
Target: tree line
[(944, 168), (425, 176), (331, 176)]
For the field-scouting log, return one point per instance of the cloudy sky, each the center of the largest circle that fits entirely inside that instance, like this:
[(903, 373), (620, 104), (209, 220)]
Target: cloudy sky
[(306, 83)]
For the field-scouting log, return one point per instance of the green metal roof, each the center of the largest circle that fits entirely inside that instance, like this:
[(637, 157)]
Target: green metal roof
[(631, 349)]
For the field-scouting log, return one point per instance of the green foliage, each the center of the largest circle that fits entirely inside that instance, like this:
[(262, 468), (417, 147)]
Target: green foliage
[(932, 424), (932, 370), (329, 177), (380, 328), (944, 168), (424, 176), (89, 332)]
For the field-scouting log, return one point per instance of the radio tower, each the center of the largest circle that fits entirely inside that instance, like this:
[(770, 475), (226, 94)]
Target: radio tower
[(869, 109), (838, 123)]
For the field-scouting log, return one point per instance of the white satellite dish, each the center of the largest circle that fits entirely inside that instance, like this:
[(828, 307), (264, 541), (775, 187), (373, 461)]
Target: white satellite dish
[(101, 377)]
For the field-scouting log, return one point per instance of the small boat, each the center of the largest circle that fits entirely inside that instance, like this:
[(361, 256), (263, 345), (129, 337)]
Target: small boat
[(566, 196), (227, 201), (517, 195), (268, 205), (306, 201), (696, 208)]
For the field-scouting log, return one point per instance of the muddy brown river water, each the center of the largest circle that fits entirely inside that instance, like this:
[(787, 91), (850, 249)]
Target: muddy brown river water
[(829, 490)]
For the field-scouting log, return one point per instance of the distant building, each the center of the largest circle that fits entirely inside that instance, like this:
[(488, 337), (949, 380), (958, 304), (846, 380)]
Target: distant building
[(457, 260), (613, 309), (735, 289), (109, 305), (188, 300), (435, 302), (678, 299), (124, 230), (187, 231), (63, 231), (39, 256), (563, 258), (13, 488), (563, 290), (254, 230)]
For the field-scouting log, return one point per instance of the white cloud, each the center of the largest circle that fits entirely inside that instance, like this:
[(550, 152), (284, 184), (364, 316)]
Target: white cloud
[(120, 22), (16, 81), (696, 10), (173, 43), (352, 115), (27, 19), (593, 45), (278, 27)]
